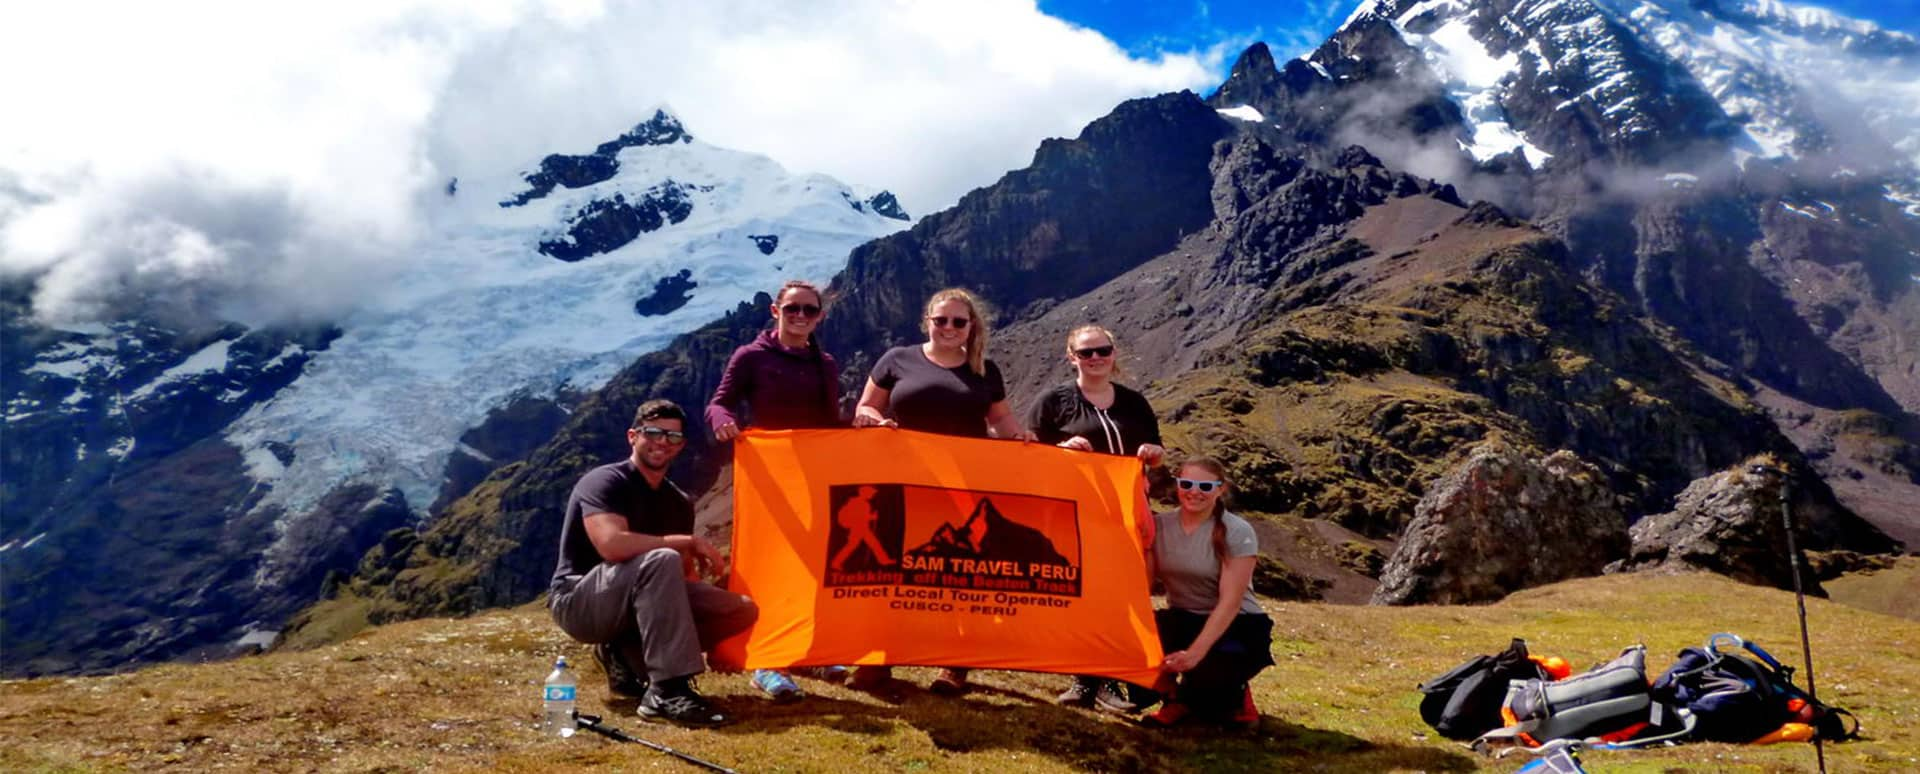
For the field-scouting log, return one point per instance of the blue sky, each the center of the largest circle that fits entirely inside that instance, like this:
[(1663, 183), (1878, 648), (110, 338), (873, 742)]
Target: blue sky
[(1293, 27)]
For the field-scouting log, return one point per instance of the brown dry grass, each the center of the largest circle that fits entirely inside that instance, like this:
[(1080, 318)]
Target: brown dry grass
[(459, 695)]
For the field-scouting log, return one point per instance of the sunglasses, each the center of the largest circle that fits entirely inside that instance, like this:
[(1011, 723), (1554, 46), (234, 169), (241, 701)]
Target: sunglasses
[(803, 310), (657, 434), (958, 323), (1106, 351), (1203, 486)]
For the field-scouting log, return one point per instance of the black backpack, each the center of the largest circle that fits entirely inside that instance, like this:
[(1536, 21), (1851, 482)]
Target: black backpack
[(1740, 697), (1465, 702)]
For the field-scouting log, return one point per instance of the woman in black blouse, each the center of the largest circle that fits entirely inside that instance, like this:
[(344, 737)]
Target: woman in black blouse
[(946, 385), (1093, 413)]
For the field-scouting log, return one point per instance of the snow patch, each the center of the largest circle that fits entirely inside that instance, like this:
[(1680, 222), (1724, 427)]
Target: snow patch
[(211, 358), (1799, 211), (121, 448), (1909, 201), (1475, 80), (1680, 178), (1243, 112), (256, 637)]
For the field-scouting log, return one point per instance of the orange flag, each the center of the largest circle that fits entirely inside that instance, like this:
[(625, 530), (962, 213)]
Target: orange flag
[(883, 546)]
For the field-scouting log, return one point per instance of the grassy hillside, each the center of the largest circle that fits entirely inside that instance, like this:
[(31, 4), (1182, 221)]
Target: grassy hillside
[(462, 695)]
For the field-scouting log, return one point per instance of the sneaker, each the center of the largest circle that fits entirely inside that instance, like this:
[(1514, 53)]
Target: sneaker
[(621, 681), (1171, 714), (1080, 694), (951, 681), (1112, 697), (831, 674), (680, 704), (1248, 715), (778, 686)]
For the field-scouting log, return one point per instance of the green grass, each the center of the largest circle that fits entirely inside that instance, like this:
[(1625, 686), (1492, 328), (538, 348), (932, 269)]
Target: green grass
[(461, 695)]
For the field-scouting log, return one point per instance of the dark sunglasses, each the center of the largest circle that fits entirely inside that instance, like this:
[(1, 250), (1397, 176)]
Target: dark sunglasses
[(1106, 351), (657, 433), (804, 310), (1203, 486), (958, 323)]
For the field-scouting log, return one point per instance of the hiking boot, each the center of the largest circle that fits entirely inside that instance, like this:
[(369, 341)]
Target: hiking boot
[(1112, 697), (1248, 716), (778, 686), (877, 681), (951, 682), (621, 681), (1171, 714), (676, 701), (831, 674), (1080, 694)]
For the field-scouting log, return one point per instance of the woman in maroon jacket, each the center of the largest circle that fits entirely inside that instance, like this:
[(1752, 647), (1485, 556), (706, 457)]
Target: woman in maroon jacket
[(782, 380)]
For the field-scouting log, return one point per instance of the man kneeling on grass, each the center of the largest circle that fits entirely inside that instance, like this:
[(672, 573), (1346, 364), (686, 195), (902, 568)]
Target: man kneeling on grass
[(628, 579)]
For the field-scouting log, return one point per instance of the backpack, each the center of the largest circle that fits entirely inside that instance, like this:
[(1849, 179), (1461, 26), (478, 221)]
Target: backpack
[(1609, 701), (1465, 702), (1742, 698)]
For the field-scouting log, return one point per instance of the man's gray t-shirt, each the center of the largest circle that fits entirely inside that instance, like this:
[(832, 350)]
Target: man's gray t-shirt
[(1190, 568)]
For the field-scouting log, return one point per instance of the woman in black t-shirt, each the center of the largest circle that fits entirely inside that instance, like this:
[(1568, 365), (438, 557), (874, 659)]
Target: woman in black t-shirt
[(1093, 413), (946, 385)]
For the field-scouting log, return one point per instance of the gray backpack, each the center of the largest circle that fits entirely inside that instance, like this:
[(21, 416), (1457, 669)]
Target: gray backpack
[(1611, 702)]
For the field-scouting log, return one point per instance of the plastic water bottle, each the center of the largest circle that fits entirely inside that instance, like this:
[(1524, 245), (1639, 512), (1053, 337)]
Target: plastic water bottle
[(556, 698)]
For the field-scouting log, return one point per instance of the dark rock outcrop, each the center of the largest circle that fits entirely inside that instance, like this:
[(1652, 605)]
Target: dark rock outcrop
[(602, 164), (669, 293), (605, 225), (1728, 523), (1504, 522), (886, 205), (765, 243)]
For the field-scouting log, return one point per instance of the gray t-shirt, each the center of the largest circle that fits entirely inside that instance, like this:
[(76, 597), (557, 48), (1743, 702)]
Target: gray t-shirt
[(1190, 568)]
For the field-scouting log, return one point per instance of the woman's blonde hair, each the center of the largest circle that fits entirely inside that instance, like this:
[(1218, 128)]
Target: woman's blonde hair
[(1118, 371), (976, 330)]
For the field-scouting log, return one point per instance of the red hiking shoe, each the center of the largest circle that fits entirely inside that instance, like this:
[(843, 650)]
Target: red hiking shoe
[(1248, 715), (1170, 714)]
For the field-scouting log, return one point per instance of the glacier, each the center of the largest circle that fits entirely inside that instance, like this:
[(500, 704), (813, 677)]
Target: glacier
[(482, 317)]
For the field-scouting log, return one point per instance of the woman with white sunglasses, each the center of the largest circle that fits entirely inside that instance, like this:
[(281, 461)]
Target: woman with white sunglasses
[(1214, 633)]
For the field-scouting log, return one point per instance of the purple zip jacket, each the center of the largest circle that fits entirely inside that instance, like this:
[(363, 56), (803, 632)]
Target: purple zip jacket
[(781, 387)]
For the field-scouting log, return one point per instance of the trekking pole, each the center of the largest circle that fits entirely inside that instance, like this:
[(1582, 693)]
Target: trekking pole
[(1799, 597), (592, 723)]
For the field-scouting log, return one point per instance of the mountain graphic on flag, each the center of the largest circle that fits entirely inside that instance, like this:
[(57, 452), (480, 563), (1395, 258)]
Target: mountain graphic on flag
[(990, 535)]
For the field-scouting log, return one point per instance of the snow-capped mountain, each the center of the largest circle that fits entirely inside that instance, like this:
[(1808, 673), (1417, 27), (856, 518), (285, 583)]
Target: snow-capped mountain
[(1738, 170), (302, 447), (1788, 81), (542, 289)]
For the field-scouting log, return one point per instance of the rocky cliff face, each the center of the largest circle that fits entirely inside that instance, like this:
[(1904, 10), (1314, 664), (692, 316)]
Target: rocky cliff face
[(1681, 155)]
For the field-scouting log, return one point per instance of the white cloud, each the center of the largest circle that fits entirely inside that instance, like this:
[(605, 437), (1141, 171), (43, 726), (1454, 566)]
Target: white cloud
[(268, 159)]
